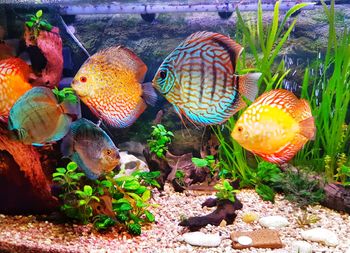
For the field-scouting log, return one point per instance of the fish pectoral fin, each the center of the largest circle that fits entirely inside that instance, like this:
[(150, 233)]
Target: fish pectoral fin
[(149, 94), (248, 85)]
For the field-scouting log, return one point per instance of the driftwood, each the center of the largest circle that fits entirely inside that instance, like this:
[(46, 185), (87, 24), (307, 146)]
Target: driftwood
[(24, 186), (337, 197)]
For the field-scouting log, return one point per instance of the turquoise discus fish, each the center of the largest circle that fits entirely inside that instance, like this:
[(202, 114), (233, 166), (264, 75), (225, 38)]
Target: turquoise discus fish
[(37, 117), (91, 148), (199, 79)]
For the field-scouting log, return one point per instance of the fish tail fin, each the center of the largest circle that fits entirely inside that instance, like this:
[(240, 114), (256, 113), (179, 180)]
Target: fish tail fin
[(67, 145), (303, 115), (307, 128), (149, 94), (248, 85), (71, 108)]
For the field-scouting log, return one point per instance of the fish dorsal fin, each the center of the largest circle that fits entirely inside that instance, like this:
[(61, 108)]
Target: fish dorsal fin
[(227, 43), (123, 57)]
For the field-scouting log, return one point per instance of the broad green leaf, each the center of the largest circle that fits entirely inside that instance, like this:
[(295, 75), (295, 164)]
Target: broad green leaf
[(61, 170), (134, 196), (82, 202), (199, 162), (95, 198), (146, 195), (58, 174), (88, 190), (150, 216), (125, 207), (72, 166), (131, 185), (39, 14), (81, 194)]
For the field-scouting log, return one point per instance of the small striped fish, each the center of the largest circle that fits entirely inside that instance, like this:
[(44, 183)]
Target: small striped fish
[(199, 79), (275, 126)]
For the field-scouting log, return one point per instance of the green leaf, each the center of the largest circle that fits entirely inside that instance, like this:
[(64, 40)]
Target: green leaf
[(131, 185), (61, 170), (150, 216), (134, 196), (146, 195), (72, 166), (58, 174), (39, 14), (227, 186), (81, 194), (199, 162), (82, 202), (88, 190), (125, 207), (122, 200), (95, 198), (140, 204), (30, 24), (57, 179)]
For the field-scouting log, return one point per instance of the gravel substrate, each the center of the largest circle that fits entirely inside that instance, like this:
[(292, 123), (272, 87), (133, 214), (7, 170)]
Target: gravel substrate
[(27, 234)]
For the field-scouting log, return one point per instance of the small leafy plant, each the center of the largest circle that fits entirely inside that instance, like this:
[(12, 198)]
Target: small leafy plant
[(208, 161), (343, 175), (225, 191), (159, 141), (66, 94), (36, 23), (129, 195), (298, 188), (148, 178), (262, 178), (305, 220)]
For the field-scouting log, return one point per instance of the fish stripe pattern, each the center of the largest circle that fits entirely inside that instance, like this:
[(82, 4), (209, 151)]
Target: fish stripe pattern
[(199, 78)]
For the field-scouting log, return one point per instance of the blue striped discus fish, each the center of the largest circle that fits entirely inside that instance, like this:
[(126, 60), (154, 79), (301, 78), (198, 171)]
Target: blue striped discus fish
[(199, 79)]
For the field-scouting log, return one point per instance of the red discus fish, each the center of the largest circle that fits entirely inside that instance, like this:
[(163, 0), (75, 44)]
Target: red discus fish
[(109, 83), (275, 126), (14, 74)]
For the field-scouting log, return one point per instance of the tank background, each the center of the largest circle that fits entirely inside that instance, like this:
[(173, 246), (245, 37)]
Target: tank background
[(152, 42)]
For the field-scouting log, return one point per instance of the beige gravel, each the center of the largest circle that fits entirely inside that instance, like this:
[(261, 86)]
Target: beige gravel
[(26, 234)]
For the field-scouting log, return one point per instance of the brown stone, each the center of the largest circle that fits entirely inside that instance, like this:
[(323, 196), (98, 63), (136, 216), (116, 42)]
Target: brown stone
[(262, 238)]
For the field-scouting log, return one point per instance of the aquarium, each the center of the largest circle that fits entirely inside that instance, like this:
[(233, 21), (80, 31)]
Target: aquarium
[(175, 126)]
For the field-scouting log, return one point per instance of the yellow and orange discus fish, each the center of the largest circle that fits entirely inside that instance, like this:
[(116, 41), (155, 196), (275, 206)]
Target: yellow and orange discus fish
[(14, 75), (110, 84), (275, 126)]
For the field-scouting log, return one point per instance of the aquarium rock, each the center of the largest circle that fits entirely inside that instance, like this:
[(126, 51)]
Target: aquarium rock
[(323, 235), (301, 247), (131, 163), (202, 239), (273, 221)]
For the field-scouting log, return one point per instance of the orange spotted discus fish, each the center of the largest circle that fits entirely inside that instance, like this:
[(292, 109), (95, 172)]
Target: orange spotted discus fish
[(14, 74), (109, 83), (275, 126), (199, 79)]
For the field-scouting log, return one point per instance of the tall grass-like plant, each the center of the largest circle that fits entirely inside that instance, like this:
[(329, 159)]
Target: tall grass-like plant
[(330, 101), (264, 41)]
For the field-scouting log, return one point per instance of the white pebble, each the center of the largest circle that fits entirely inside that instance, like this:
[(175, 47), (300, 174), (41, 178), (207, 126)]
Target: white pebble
[(301, 247), (273, 221), (201, 239), (326, 236)]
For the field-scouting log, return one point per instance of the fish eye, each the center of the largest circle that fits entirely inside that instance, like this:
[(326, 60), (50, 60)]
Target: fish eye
[(83, 79), (108, 152), (162, 74), (240, 129)]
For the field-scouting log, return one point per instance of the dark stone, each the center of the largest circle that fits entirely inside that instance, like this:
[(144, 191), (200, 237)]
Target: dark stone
[(337, 197)]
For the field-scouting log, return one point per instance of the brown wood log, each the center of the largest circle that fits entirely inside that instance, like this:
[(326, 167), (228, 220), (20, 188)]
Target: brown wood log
[(24, 187), (337, 197)]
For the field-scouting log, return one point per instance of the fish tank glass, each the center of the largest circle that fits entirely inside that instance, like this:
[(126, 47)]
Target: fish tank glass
[(174, 126)]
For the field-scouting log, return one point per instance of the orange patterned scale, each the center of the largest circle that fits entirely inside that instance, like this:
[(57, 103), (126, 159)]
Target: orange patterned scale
[(14, 74)]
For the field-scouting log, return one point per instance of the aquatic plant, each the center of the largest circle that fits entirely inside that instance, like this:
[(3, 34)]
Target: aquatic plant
[(66, 94), (36, 23), (330, 101), (343, 175), (147, 178), (262, 179), (298, 188), (208, 161), (266, 43), (225, 191), (159, 141), (129, 196), (305, 220)]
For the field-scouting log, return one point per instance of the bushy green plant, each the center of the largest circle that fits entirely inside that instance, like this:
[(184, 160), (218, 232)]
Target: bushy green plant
[(130, 198), (148, 178), (225, 191), (36, 23), (262, 179), (159, 141), (343, 175), (66, 94), (297, 187)]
